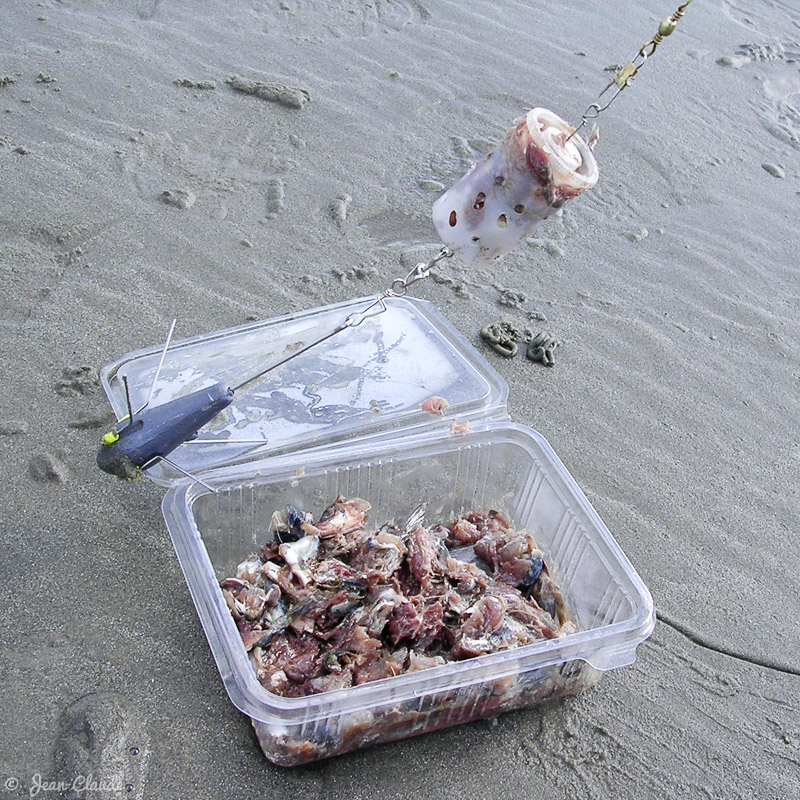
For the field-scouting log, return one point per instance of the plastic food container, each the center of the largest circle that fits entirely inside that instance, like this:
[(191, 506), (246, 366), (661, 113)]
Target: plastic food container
[(346, 418)]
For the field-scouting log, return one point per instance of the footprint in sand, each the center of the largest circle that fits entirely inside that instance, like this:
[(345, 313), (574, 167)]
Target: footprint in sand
[(319, 20), (780, 115), (779, 64), (146, 9), (764, 18), (49, 467), (78, 380), (780, 60), (102, 749), (34, 259)]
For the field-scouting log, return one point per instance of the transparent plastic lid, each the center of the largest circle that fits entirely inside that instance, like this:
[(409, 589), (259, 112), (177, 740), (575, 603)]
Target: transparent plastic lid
[(363, 381)]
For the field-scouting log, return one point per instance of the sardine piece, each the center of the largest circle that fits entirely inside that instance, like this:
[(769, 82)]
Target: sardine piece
[(435, 405), (519, 562), (332, 681), (289, 662), (432, 628), (377, 556), (525, 180), (292, 524), (526, 611), (486, 616), (533, 573), (508, 633), (244, 600), (342, 517), (426, 551), (271, 570), (330, 573), (273, 594), (405, 623), (550, 599), (474, 525), (258, 638), (379, 612), (470, 576), (250, 570), (418, 661), (465, 532), (383, 663), (489, 544), (235, 606), (296, 555), (254, 600)]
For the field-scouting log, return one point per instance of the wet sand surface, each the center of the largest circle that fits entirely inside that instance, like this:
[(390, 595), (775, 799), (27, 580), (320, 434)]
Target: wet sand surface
[(218, 165)]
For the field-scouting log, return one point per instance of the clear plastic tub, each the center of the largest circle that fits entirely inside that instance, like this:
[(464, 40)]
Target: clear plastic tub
[(498, 464)]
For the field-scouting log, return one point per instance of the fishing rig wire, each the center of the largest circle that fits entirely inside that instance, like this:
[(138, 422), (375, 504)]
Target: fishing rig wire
[(628, 72), (399, 288)]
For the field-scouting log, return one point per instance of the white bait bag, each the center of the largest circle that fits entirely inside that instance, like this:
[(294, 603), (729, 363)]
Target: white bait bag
[(502, 199)]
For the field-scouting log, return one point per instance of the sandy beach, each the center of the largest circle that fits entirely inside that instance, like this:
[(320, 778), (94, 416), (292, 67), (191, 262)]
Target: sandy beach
[(141, 181)]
